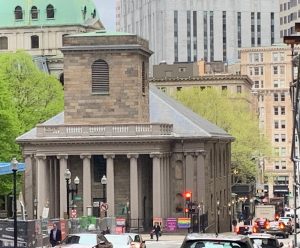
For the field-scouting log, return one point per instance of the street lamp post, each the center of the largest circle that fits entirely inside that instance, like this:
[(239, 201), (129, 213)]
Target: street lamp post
[(104, 182), (14, 165), (70, 189), (35, 203), (218, 216), (229, 212)]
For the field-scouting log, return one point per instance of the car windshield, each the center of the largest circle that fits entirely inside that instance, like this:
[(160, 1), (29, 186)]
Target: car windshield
[(264, 242), (214, 244), (80, 239)]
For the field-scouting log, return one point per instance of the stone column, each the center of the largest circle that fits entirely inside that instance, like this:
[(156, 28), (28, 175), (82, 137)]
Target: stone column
[(134, 186), (201, 176), (86, 182), (63, 161), (156, 184), (189, 171), (162, 185), (110, 187), (29, 197), (41, 184), (168, 193)]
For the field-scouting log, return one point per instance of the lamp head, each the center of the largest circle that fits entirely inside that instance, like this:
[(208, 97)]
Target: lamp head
[(76, 180), (67, 174), (14, 164), (104, 180)]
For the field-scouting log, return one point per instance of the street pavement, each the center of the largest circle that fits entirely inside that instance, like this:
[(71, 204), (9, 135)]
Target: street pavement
[(165, 241)]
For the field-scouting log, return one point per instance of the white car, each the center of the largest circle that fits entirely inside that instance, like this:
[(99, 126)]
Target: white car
[(120, 240), (137, 240)]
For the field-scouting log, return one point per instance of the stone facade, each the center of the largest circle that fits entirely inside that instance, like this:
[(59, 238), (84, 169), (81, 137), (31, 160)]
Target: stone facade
[(151, 153)]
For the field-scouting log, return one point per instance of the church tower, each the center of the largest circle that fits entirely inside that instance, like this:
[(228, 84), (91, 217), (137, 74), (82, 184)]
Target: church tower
[(106, 78)]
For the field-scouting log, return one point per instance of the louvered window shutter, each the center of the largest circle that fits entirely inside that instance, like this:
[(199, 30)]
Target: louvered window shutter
[(100, 77)]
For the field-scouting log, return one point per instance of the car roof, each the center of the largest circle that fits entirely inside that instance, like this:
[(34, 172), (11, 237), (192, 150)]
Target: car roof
[(261, 235), (212, 236), (83, 234)]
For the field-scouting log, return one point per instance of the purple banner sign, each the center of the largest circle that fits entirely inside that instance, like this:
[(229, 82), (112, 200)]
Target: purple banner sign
[(171, 224)]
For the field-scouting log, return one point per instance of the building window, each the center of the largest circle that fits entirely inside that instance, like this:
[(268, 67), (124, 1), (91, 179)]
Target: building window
[(224, 87), (276, 137), (272, 28), (283, 151), (3, 43), (276, 124), (99, 167), (282, 112), (176, 36), (283, 137), (283, 165), (143, 78), (282, 97), (50, 11), (18, 13), (283, 124), (276, 111), (34, 41), (275, 70), (258, 27), (256, 84), (205, 35), (188, 36), (239, 89), (195, 45), (211, 32), (34, 13), (100, 77), (275, 97), (276, 165), (252, 29), (239, 29), (224, 36)]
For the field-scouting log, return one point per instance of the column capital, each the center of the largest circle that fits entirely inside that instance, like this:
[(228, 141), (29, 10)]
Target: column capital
[(189, 153), (155, 155), (85, 155), (132, 155), (201, 153), (29, 155), (109, 155), (40, 156), (62, 156)]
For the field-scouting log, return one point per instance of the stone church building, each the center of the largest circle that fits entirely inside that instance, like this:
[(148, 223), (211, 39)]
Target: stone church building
[(150, 147)]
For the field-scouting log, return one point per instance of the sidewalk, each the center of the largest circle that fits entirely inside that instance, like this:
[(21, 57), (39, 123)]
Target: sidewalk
[(164, 237)]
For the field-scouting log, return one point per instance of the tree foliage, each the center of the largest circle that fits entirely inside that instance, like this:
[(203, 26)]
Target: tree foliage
[(28, 96), (232, 112)]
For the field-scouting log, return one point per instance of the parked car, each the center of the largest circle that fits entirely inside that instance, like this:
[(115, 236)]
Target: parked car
[(264, 240), (288, 223), (85, 240), (277, 228), (223, 240), (120, 240), (137, 240)]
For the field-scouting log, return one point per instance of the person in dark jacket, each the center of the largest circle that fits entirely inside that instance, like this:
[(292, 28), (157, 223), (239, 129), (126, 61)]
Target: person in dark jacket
[(55, 236), (156, 230)]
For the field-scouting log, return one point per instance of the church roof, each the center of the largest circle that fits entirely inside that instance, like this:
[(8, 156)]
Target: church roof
[(163, 109), (66, 12)]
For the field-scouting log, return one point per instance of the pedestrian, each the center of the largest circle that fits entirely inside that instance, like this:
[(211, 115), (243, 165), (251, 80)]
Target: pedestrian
[(55, 235), (156, 230)]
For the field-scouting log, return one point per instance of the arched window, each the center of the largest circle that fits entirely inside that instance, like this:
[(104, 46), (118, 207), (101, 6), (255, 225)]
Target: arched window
[(100, 77), (50, 11), (84, 12), (3, 43), (94, 13), (35, 41), (18, 13), (34, 13)]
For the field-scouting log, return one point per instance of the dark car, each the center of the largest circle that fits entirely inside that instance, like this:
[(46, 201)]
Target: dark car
[(261, 223), (277, 228), (208, 240)]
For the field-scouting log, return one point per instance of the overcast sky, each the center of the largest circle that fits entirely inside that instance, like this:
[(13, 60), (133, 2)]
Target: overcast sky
[(106, 10)]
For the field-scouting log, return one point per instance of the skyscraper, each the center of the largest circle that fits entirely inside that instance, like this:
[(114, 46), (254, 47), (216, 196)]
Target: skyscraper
[(180, 31)]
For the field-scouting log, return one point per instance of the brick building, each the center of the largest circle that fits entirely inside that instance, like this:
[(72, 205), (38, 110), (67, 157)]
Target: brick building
[(151, 148)]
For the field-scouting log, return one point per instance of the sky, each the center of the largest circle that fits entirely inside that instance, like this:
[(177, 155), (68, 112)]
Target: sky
[(106, 10)]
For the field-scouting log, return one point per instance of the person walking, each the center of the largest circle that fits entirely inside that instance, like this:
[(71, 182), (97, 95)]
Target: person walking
[(156, 230), (55, 235)]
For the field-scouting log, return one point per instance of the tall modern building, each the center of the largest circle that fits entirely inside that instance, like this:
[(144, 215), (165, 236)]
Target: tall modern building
[(289, 14), (185, 31)]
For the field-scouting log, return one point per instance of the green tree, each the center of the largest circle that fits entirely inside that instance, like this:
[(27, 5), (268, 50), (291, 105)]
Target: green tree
[(232, 112), (28, 96)]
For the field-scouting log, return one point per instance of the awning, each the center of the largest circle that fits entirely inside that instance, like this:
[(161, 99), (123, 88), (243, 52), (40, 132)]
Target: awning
[(5, 168)]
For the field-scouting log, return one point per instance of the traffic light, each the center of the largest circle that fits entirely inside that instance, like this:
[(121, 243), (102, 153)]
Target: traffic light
[(188, 197)]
